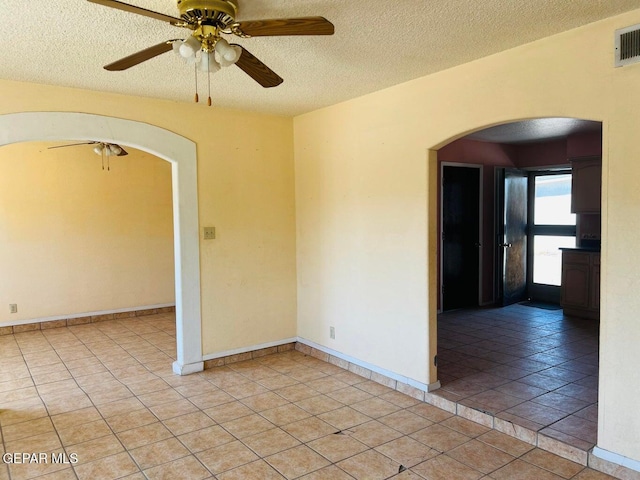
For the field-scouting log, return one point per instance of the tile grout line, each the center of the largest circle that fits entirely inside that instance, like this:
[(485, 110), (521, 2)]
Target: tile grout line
[(66, 449), (373, 448), (85, 344), (254, 379)]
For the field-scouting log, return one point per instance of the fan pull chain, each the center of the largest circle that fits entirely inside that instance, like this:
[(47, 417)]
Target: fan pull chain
[(209, 81), (102, 155), (195, 69)]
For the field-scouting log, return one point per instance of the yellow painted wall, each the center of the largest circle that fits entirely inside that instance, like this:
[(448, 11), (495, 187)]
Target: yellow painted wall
[(75, 238), (245, 190), (364, 202)]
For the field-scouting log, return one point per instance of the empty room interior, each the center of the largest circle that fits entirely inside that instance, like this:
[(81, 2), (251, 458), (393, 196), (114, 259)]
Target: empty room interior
[(355, 256)]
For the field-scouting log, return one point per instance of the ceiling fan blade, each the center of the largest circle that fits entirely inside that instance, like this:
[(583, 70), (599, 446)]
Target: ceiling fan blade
[(123, 152), (140, 11), (139, 57), (257, 70), (72, 145), (284, 26)]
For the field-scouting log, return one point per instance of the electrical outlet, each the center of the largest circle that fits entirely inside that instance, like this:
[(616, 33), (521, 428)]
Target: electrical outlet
[(209, 233), (332, 333), (13, 308)]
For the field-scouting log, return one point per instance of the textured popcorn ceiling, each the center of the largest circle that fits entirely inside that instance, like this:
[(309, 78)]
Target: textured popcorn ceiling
[(378, 43), (535, 130)]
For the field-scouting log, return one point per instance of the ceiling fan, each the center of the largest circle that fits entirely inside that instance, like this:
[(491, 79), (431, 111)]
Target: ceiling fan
[(108, 149), (103, 149), (207, 48)]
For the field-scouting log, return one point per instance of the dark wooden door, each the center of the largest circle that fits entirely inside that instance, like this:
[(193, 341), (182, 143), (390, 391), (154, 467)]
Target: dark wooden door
[(512, 235), (460, 236)]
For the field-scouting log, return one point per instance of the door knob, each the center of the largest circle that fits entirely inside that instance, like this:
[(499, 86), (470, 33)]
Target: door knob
[(505, 245)]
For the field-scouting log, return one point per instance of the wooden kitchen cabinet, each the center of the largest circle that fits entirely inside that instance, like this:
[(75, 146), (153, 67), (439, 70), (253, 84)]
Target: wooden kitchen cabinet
[(586, 184), (575, 280), (581, 283)]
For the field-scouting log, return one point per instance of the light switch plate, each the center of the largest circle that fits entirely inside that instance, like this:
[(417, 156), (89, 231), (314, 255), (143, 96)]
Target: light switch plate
[(209, 233)]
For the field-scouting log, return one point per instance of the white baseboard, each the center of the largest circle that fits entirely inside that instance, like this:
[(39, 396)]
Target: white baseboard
[(251, 348), (374, 368), (85, 314), (387, 373), (616, 458), (188, 368)]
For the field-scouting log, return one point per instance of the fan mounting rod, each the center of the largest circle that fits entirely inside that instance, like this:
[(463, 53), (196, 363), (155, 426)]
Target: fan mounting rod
[(218, 13)]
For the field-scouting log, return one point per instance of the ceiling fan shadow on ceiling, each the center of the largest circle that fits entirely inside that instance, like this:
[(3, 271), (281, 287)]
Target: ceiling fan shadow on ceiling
[(104, 149), (206, 48)]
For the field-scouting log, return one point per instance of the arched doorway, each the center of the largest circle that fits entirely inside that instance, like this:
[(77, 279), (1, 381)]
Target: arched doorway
[(181, 153), (522, 366)]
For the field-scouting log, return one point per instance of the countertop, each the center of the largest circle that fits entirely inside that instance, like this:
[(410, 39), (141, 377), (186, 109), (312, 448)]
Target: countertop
[(581, 249)]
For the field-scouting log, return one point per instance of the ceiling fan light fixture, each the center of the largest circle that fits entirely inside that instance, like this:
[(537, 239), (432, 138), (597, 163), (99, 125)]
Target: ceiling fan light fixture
[(226, 52), (226, 63), (98, 149), (189, 47), (115, 149)]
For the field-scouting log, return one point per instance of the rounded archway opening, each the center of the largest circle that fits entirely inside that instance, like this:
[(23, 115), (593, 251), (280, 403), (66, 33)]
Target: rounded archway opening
[(181, 153), (498, 352)]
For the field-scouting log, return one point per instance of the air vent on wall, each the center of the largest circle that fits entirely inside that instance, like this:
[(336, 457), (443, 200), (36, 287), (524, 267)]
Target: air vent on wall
[(627, 45)]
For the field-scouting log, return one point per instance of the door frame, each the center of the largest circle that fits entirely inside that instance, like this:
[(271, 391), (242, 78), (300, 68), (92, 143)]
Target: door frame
[(539, 291), (480, 167)]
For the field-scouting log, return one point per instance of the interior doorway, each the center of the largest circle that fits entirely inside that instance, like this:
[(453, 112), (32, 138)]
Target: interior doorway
[(543, 150), (181, 153), (502, 361), (461, 226)]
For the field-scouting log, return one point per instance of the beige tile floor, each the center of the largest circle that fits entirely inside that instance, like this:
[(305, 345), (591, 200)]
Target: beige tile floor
[(536, 368), (105, 392)]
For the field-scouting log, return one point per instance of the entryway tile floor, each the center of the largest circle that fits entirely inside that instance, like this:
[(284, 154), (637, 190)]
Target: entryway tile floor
[(104, 393), (536, 368)]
